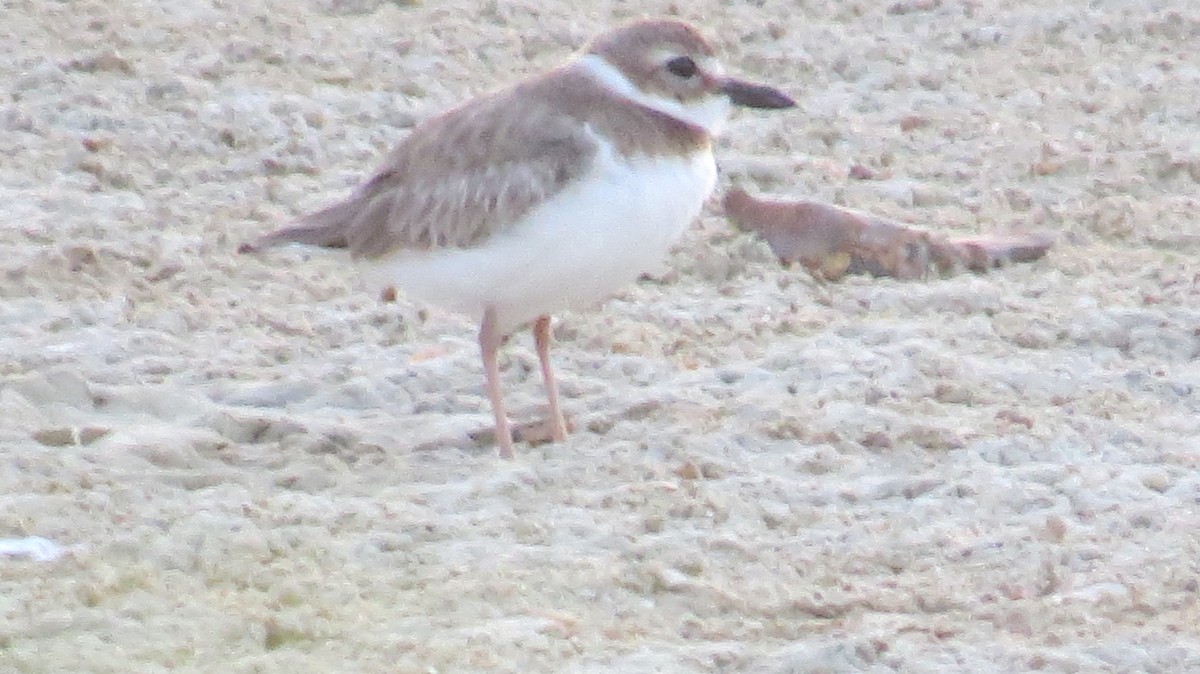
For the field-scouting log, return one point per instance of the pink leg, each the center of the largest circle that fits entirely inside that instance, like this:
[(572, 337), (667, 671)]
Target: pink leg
[(489, 344), (541, 337)]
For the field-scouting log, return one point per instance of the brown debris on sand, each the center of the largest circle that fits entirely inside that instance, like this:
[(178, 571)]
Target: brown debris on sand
[(831, 242)]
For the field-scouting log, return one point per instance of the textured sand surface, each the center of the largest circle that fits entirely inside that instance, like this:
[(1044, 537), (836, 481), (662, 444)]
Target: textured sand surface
[(252, 464)]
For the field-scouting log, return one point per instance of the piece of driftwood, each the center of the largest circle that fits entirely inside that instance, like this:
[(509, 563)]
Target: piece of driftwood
[(831, 242)]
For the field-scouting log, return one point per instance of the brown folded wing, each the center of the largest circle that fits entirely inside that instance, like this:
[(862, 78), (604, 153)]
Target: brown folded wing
[(456, 179)]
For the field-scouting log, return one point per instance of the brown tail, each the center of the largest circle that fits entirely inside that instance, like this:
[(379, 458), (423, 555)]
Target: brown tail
[(325, 228)]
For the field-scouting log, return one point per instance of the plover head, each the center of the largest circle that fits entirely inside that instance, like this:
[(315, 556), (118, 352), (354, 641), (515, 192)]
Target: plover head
[(669, 66)]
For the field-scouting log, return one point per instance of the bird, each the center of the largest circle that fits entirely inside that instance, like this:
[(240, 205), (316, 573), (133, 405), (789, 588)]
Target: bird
[(547, 195)]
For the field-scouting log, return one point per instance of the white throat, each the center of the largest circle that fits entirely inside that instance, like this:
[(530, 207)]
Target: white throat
[(709, 113)]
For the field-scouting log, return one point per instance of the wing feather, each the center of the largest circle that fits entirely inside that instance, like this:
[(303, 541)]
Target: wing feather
[(456, 179)]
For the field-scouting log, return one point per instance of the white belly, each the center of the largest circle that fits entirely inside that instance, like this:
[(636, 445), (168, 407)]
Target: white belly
[(571, 252)]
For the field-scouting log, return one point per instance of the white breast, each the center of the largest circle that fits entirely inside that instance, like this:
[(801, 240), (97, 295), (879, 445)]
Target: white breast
[(576, 249)]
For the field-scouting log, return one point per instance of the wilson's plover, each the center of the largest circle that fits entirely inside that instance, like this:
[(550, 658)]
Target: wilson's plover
[(547, 195)]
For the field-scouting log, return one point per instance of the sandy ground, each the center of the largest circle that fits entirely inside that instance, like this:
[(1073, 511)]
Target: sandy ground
[(255, 465)]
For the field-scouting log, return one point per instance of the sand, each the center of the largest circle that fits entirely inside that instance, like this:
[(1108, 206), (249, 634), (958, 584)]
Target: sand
[(224, 463)]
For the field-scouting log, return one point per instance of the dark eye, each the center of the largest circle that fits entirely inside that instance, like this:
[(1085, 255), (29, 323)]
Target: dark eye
[(682, 66)]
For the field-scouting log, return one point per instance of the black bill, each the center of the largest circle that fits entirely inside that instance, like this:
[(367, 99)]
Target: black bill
[(756, 95)]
